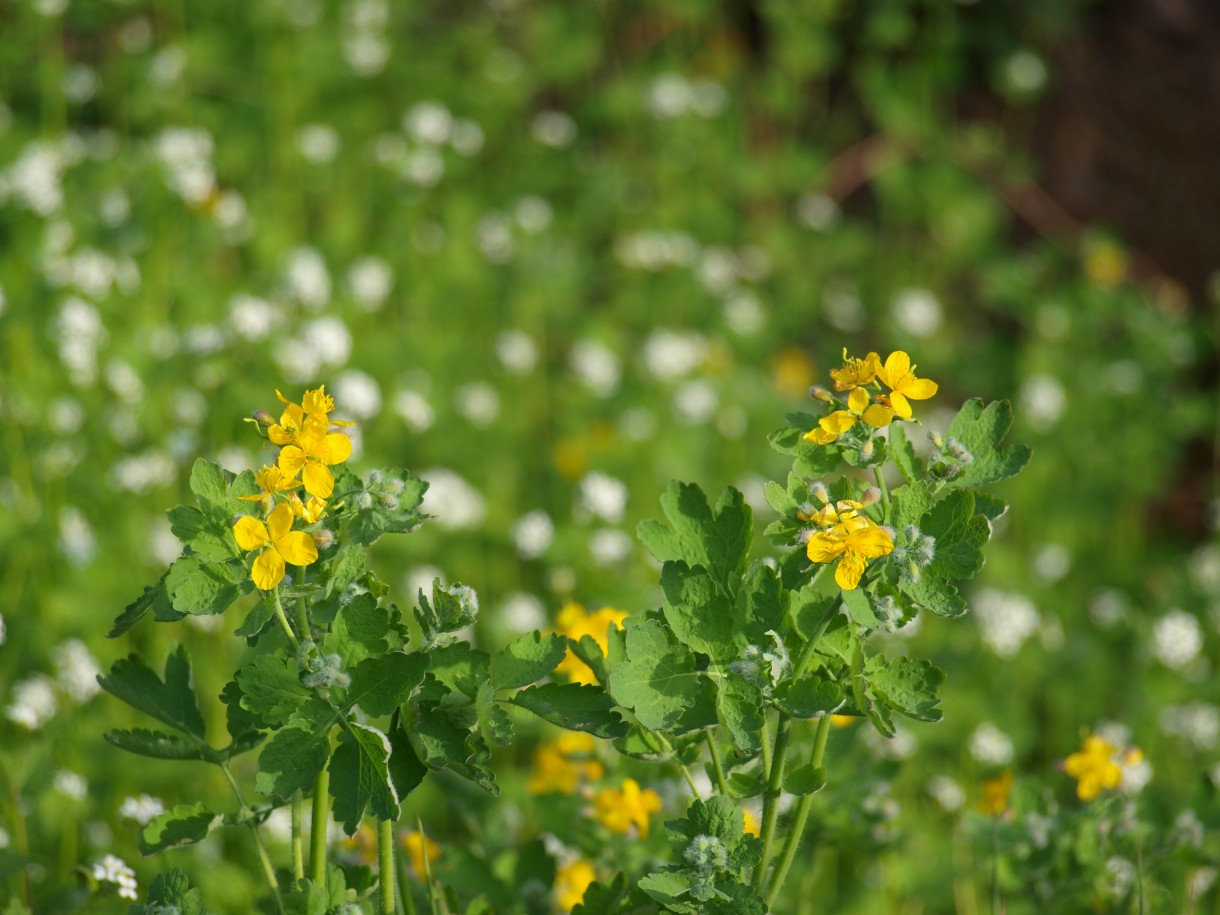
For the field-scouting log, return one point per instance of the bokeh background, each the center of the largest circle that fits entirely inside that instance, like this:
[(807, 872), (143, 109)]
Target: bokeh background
[(551, 256)]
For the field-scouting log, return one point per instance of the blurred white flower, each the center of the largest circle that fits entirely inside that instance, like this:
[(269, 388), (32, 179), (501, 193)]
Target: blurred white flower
[(420, 578), (357, 394), (143, 808), (842, 308), (1025, 71), (50, 7), (366, 53), (596, 367), (3, 631), (167, 66), (423, 167), (148, 470), (1108, 608), (252, 318), (455, 504), (494, 237), (743, 313), (817, 212), (532, 214), (33, 702), (1006, 620), (946, 792), (553, 128), (522, 612), (71, 785), (370, 280), (917, 311), (1042, 401), (318, 143), (1052, 562), (466, 138), (76, 539), (185, 154), (1177, 639), (113, 870), (76, 670), (603, 496), (479, 403), (673, 354), (532, 533), (695, 402), (899, 747), (1205, 568), (609, 547), (428, 123), (65, 416), (81, 83), (517, 351), (330, 338), (163, 546), (35, 178), (990, 746), (308, 279), (414, 409), (1198, 723)]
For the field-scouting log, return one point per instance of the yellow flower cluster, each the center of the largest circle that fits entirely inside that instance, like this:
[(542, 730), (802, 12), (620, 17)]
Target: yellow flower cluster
[(562, 765), (996, 794), (575, 622), (621, 809), (876, 409), (571, 882), (422, 852), (1098, 765), (848, 536), (309, 449)]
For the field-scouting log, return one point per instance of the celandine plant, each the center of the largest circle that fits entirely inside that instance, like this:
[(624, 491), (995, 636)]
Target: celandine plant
[(740, 670)]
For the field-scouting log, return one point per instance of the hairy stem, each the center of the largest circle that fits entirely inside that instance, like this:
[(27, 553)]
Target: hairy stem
[(298, 844), (385, 865), (793, 840), (263, 858), (717, 765), (318, 828), (885, 492), (775, 783), (283, 618)]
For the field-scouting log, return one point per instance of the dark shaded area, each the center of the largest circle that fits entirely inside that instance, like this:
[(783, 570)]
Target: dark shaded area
[(1129, 135)]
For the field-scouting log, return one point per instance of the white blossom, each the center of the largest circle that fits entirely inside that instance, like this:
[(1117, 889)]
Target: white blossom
[(532, 533), (991, 746), (603, 496), (1177, 639)]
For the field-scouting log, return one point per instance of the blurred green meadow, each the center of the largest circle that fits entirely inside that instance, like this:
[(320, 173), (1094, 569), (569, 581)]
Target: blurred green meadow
[(550, 257)]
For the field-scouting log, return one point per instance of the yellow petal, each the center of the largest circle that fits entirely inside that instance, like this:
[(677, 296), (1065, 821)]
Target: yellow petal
[(282, 398), (824, 548), (838, 422), (279, 522), (291, 460), (339, 448), (871, 542), (268, 570), (298, 548), (279, 435), (920, 388), (819, 437), (849, 570), (317, 402), (896, 367), (313, 438), (250, 533), (318, 479), (857, 400), (901, 405), (878, 416)]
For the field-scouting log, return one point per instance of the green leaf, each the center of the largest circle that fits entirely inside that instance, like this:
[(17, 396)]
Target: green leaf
[(717, 539), (747, 784), (440, 742), (392, 512), (154, 598), (172, 889), (989, 506), (203, 589), (158, 745), (575, 706), (239, 721), (292, 758), (527, 659), (937, 595), (271, 688), (699, 610), (381, 684), (407, 771), (359, 630), (907, 685), (604, 898), (360, 777), (909, 504), (812, 611), (960, 536), (806, 779), (260, 618), (666, 887), (186, 824), (494, 723), (459, 668), (809, 697), (717, 816), (209, 485), (780, 498), (658, 680), (452, 609), (207, 537), (909, 465), (739, 707), (860, 608), (762, 604), (981, 429), (171, 702)]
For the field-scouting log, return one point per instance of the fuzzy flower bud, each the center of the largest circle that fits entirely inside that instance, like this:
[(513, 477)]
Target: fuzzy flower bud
[(804, 537), (364, 500), (323, 539), (817, 392), (706, 854), (867, 450), (819, 491), (937, 440), (263, 418), (870, 496)]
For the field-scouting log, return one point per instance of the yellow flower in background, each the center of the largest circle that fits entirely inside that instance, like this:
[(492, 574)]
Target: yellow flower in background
[(619, 809), (571, 881), (271, 480), (996, 794), (792, 371), (417, 847), (575, 622), (899, 376), (1095, 767), (859, 406), (315, 451), (279, 544), (842, 721), (751, 827), (856, 373), (360, 848), (853, 543), (562, 765), (1106, 265)]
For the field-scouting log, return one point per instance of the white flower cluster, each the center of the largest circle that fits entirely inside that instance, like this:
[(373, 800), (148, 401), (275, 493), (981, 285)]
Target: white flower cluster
[(185, 154), (603, 496), (672, 95), (143, 808), (1177, 639), (1007, 620), (114, 870)]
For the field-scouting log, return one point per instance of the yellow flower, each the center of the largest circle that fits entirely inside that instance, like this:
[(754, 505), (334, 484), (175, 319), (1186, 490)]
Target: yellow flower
[(751, 827), (562, 765), (792, 371), (1095, 767), (418, 847), (575, 622), (842, 721), (361, 848), (856, 540), (310, 512), (279, 544), (571, 881), (830, 427), (996, 792), (315, 451), (292, 421), (856, 373), (271, 480), (899, 376), (619, 809), (1106, 265)]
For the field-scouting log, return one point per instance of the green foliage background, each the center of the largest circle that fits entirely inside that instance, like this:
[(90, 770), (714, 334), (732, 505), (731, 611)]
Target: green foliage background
[(770, 182)]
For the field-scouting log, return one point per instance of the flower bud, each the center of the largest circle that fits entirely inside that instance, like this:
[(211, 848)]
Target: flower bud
[(364, 500), (867, 450), (817, 392), (936, 439), (820, 492), (803, 537), (323, 539), (870, 496), (263, 418)]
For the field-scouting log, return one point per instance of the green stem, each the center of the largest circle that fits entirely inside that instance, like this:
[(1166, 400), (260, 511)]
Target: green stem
[(263, 858), (885, 492), (303, 611), (287, 626), (690, 781), (792, 841), (717, 765), (298, 845), (318, 828), (21, 839), (775, 781), (385, 865), (404, 887)]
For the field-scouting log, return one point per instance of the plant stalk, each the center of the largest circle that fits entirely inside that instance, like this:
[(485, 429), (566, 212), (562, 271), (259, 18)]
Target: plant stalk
[(298, 844), (263, 858), (318, 828), (792, 841), (21, 840), (717, 765), (385, 865), (775, 783), (283, 618)]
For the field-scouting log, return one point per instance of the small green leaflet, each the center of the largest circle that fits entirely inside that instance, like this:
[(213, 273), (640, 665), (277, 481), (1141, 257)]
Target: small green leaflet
[(160, 746), (271, 688), (360, 778), (658, 680), (981, 429), (391, 512), (186, 824), (739, 707), (699, 610), (806, 779), (960, 536), (717, 539), (907, 685), (527, 659), (575, 706), (911, 467), (382, 683), (292, 758), (205, 588), (171, 702), (809, 697)]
